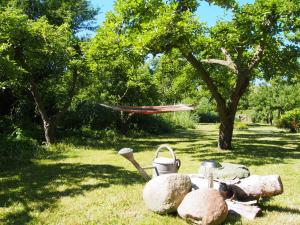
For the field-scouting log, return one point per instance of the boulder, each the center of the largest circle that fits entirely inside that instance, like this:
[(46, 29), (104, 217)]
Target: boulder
[(164, 193), (228, 171), (204, 206)]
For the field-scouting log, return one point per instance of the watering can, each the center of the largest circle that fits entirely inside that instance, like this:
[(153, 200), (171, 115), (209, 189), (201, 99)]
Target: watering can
[(160, 165)]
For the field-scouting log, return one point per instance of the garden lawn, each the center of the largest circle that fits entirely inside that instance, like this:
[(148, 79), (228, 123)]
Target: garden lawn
[(91, 184)]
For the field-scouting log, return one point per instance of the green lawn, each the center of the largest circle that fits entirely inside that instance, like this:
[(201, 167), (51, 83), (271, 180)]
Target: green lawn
[(90, 184)]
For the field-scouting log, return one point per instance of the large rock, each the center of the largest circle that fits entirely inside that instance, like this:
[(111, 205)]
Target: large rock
[(164, 193), (203, 206), (228, 171)]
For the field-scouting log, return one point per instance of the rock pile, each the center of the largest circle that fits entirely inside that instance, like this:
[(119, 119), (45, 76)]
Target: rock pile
[(207, 206)]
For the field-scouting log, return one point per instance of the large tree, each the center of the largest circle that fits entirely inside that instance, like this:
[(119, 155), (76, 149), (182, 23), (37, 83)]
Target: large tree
[(260, 41), (43, 59), (40, 52)]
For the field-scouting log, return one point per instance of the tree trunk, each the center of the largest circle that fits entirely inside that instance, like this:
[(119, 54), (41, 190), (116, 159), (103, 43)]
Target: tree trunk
[(49, 131), (48, 124), (226, 131)]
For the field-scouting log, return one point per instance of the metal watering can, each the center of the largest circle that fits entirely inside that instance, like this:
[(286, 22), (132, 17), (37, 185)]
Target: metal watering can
[(160, 165)]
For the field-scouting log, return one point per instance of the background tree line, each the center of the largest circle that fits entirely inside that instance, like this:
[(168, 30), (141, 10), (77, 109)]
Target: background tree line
[(145, 53)]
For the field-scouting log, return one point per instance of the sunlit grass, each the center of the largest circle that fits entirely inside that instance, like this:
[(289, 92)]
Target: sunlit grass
[(87, 184)]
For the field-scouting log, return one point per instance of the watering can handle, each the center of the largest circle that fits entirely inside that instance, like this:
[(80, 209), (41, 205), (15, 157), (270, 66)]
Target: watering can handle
[(178, 162), (170, 150)]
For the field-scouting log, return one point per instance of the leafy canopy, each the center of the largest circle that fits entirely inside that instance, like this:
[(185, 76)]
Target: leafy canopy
[(157, 26)]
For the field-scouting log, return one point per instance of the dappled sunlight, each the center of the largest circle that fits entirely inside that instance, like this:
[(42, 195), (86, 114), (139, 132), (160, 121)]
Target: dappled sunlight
[(40, 186), (93, 184)]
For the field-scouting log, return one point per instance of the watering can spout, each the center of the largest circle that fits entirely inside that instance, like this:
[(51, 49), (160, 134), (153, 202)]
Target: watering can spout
[(127, 153)]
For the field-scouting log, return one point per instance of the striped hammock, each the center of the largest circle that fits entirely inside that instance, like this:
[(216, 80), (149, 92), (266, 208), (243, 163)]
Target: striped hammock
[(150, 109)]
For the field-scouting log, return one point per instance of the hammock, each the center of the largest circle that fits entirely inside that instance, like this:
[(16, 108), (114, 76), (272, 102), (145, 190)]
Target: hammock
[(150, 109)]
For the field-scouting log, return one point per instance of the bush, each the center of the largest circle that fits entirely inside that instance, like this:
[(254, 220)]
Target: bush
[(19, 146), (290, 120), (153, 124), (205, 112), (90, 114), (209, 117), (240, 126), (182, 120)]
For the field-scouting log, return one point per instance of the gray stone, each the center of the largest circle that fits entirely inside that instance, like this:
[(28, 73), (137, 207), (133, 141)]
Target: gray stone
[(203, 206), (229, 171), (164, 193)]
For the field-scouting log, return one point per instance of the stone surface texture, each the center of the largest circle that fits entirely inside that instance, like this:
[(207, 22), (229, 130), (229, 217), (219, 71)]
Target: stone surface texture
[(163, 194), (228, 171), (203, 206)]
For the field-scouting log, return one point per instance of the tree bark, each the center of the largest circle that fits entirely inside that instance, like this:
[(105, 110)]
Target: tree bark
[(226, 131), (48, 124), (49, 130)]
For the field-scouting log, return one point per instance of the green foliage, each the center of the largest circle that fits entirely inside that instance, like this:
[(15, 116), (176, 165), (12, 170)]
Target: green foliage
[(46, 59), (205, 111), (240, 126), (290, 120), (79, 14), (152, 124), (38, 50), (119, 74), (180, 119), (271, 100), (90, 114), (175, 79), (18, 145)]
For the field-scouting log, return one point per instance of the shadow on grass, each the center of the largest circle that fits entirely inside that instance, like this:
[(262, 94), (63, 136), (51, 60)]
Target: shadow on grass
[(276, 208), (137, 143), (252, 147), (36, 187), (256, 146)]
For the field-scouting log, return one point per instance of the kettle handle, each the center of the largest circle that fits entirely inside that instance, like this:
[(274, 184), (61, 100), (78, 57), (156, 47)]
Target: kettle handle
[(170, 150)]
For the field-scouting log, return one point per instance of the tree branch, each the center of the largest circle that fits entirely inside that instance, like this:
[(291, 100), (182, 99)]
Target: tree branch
[(228, 62), (256, 57), (206, 78), (38, 100), (227, 56), (221, 62)]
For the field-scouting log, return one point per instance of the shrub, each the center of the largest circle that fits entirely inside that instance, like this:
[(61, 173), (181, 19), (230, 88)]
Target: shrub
[(290, 120), (205, 114), (240, 126), (153, 124), (18, 146), (180, 119)]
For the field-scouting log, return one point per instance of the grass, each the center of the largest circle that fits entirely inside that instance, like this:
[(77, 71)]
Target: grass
[(91, 184)]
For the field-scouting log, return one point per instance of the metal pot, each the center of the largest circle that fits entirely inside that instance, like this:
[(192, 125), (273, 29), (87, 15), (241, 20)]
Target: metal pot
[(207, 168), (162, 165), (210, 164)]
